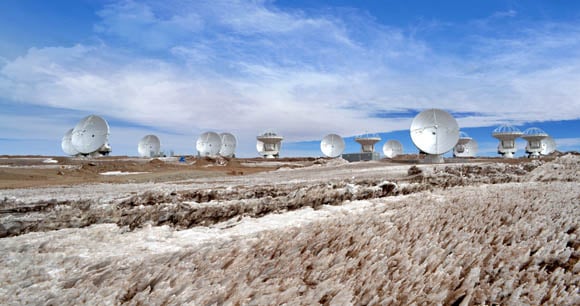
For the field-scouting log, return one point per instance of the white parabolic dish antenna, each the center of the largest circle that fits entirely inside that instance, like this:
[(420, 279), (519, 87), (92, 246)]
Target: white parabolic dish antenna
[(507, 135), (462, 148), (467, 150), (463, 138), (367, 142), (268, 144), (548, 146), (66, 144), (229, 143), (332, 145), (149, 146), (90, 134), (259, 146), (434, 131), (392, 148), (209, 144), (534, 137)]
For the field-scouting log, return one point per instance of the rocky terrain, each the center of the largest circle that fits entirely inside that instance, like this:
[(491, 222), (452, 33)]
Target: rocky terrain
[(309, 232)]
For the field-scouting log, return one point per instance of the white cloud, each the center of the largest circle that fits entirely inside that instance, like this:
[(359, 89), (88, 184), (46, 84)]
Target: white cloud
[(248, 66), (568, 143), (138, 23)]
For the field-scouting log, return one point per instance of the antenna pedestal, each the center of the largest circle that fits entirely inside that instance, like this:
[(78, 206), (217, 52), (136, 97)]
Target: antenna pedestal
[(508, 154), (433, 159)]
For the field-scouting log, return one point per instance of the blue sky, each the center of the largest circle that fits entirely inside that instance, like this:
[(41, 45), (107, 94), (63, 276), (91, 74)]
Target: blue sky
[(302, 68)]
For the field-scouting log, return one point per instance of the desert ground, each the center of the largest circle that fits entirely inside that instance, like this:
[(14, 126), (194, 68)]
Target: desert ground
[(302, 231)]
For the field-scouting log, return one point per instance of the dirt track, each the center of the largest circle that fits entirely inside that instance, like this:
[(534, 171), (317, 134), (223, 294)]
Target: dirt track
[(37, 171)]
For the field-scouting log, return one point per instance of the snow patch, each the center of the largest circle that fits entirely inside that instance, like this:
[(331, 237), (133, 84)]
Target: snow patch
[(120, 173)]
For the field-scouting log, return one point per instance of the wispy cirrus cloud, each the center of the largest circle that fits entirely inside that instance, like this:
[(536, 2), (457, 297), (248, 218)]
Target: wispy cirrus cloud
[(505, 14)]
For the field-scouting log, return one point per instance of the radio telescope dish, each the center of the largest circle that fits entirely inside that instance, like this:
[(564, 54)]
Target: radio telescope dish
[(209, 144), (463, 138), (548, 146), (367, 142), (229, 143), (332, 145), (392, 148), (90, 134), (467, 150), (269, 144), (259, 146), (507, 135), (534, 137), (464, 146), (66, 144), (434, 132), (149, 146)]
